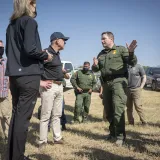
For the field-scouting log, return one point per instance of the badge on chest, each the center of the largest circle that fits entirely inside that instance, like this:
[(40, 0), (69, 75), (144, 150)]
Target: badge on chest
[(114, 52)]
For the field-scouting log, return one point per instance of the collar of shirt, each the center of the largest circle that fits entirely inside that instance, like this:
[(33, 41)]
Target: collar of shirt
[(87, 73), (132, 66), (51, 50), (110, 49), (114, 47)]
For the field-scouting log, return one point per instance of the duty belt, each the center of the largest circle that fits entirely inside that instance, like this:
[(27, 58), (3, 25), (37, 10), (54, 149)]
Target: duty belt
[(57, 82), (85, 90), (112, 77)]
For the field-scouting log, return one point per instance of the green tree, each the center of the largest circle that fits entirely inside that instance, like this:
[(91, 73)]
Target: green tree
[(145, 67)]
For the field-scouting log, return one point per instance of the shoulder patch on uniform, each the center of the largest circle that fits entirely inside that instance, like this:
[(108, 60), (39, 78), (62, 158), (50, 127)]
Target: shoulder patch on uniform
[(119, 46), (122, 48)]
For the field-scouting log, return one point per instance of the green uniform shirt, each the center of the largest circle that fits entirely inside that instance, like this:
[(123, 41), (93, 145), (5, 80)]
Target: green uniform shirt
[(113, 61), (85, 81)]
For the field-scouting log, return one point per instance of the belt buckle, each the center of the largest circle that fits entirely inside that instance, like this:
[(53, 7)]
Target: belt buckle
[(57, 82)]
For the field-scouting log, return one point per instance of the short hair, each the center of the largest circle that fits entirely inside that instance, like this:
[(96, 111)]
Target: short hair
[(1, 41), (86, 63), (109, 34), (21, 8)]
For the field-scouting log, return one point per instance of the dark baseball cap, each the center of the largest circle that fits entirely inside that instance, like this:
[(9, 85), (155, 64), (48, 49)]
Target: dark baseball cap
[(58, 35)]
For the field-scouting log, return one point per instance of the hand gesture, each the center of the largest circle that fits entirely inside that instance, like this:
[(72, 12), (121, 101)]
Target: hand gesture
[(90, 91), (46, 84), (79, 90), (95, 61), (132, 46), (64, 71), (101, 95), (50, 57)]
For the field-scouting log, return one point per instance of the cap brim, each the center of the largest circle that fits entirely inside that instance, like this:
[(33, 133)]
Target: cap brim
[(66, 38)]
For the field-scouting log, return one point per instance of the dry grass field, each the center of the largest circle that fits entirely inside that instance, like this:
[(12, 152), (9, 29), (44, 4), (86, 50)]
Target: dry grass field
[(87, 141)]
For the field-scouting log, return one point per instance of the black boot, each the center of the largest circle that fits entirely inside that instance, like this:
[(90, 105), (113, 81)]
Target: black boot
[(27, 158), (64, 127)]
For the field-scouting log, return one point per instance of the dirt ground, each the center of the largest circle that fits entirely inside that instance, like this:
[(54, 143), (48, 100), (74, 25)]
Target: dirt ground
[(87, 141)]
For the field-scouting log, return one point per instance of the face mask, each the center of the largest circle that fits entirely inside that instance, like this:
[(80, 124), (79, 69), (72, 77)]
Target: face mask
[(134, 62), (85, 69), (1, 51)]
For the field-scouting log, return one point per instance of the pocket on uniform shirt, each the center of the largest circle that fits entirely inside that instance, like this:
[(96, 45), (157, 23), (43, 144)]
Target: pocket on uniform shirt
[(116, 58), (101, 61)]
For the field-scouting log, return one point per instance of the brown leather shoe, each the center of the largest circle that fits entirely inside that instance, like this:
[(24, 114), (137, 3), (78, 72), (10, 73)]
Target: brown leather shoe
[(61, 141)]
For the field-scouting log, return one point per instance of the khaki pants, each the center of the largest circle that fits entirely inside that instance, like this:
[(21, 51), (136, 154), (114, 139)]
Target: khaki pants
[(5, 115), (134, 97), (51, 108)]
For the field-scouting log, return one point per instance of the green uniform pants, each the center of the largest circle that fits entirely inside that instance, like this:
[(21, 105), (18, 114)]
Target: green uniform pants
[(114, 99), (82, 105)]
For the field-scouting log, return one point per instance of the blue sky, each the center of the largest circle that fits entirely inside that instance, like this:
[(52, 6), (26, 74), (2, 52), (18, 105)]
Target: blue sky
[(84, 21)]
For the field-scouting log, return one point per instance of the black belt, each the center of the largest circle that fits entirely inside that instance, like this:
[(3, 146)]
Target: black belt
[(112, 77), (85, 91), (57, 82)]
